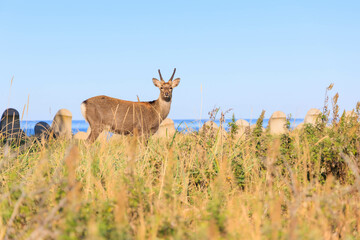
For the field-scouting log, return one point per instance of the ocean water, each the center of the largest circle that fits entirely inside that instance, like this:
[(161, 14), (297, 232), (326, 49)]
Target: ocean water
[(182, 125)]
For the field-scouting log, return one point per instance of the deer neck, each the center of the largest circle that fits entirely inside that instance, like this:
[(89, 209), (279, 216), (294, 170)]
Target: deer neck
[(163, 107)]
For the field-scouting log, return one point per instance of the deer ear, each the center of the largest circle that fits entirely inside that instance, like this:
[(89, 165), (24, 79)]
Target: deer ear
[(175, 82), (156, 82)]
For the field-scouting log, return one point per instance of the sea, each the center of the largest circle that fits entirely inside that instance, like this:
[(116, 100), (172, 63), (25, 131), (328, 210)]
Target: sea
[(182, 125)]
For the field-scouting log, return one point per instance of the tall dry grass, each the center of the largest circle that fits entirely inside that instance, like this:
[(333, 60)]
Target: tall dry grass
[(301, 185)]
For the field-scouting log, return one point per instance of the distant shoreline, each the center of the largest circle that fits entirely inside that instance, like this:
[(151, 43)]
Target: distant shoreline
[(180, 124)]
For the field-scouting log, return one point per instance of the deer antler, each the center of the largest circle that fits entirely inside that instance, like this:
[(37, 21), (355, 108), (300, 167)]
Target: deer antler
[(172, 75), (161, 79)]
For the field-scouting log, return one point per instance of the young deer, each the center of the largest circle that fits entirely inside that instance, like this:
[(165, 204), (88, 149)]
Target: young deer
[(125, 117)]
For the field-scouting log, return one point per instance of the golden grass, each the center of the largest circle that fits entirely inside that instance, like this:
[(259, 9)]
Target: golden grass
[(189, 187)]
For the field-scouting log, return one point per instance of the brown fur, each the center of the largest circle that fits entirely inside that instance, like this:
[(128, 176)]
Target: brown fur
[(123, 117)]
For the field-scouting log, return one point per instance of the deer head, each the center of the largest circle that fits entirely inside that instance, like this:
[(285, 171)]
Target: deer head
[(166, 88)]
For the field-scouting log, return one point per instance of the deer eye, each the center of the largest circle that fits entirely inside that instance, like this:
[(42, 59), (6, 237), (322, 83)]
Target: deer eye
[(161, 88)]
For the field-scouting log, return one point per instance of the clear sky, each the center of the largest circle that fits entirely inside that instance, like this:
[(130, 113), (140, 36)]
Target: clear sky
[(244, 55)]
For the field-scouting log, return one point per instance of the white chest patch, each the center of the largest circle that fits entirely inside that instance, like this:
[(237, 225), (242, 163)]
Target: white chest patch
[(165, 108)]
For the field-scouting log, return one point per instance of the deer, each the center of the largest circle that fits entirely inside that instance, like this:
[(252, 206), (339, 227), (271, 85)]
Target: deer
[(128, 117)]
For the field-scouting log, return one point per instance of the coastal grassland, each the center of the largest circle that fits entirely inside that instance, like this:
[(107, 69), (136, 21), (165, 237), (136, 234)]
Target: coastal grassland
[(301, 185)]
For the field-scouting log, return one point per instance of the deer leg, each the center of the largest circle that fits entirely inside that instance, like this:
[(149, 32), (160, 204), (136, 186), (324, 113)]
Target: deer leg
[(95, 132)]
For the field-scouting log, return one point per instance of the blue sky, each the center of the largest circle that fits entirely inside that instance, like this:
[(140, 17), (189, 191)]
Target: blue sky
[(244, 55)]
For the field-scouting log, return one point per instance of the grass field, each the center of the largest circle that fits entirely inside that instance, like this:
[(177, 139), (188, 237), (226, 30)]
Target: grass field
[(300, 185)]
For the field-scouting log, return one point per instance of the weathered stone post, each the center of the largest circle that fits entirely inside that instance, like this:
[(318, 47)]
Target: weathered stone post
[(10, 125), (166, 128), (117, 137), (312, 116), (42, 130), (299, 127), (61, 124), (243, 128), (212, 130), (277, 123), (81, 135), (209, 127), (350, 114), (351, 117)]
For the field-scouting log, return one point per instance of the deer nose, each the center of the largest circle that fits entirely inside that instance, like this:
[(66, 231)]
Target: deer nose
[(166, 94)]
